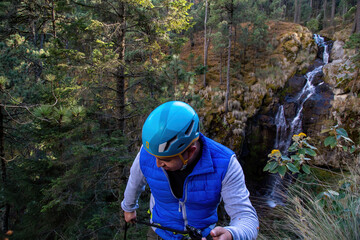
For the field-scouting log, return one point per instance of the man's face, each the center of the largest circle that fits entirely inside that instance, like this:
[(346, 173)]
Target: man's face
[(169, 163), (175, 163)]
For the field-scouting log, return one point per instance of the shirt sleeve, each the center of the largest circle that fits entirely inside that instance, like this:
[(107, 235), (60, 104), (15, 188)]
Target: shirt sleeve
[(135, 186), (244, 222)]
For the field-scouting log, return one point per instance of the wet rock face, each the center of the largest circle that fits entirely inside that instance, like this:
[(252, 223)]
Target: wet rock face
[(295, 84), (317, 63), (290, 109), (259, 141), (317, 110), (318, 79)]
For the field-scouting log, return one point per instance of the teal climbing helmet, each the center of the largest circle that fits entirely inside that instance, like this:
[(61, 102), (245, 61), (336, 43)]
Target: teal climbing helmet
[(170, 129)]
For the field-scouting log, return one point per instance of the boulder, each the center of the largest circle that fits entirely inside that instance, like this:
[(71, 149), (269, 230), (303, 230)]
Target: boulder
[(339, 72), (337, 51)]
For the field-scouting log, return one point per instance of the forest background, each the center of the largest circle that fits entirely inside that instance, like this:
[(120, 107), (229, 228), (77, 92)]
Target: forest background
[(79, 77)]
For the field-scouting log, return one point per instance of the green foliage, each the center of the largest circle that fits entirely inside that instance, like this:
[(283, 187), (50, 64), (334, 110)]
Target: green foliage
[(60, 79), (219, 40), (17, 59), (338, 137), (197, 101), (306, 11), (354, 43), (301, 152), (69, 158), (349, 15), (277, 10), (313, 24), (259, 30), (320, 207)]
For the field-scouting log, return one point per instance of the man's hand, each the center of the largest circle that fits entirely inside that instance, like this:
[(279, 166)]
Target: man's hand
[(220, 233), (130, 216)]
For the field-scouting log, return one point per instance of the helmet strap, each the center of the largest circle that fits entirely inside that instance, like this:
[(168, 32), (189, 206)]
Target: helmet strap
[(185, 162)]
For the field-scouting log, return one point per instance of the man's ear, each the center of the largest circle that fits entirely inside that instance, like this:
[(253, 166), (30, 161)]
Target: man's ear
[(192, 148)]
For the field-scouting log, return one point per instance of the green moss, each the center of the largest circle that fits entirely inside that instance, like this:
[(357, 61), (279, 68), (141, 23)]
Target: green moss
[(302, 71), (283, 92)]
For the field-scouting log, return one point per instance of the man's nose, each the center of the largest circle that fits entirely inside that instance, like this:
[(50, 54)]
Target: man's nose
[(159, 163)]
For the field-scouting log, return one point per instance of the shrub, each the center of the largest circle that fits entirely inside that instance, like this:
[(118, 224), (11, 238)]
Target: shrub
[(331, 213), (313, 24)]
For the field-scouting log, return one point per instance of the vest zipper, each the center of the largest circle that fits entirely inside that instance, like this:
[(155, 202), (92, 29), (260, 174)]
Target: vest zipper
[(182, 207)]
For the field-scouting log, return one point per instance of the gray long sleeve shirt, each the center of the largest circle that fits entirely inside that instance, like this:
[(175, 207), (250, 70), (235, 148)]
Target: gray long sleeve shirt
[(244, 221)]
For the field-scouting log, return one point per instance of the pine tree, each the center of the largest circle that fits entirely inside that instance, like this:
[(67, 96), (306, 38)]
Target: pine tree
[(356, 25), (71, 75)]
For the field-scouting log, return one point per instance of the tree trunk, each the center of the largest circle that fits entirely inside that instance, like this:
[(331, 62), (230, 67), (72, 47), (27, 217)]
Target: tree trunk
[(356, 26), (33, 29), (192, 42), (299, 12), (332, 13), (287, 14), (206, 51), (6, 214), (316, 9), (220, 68), (227, 96), (325, 18), (296, 3), (205, 43), (53, 17), (120, 75), (344, 9), (235, 36)]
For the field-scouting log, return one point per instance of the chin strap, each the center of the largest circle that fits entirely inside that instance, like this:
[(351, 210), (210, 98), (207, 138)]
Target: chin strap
[(185, 162)]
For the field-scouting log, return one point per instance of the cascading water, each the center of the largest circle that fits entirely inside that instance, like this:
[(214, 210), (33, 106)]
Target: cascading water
[(281, 127), (320, 41), (286, 128)]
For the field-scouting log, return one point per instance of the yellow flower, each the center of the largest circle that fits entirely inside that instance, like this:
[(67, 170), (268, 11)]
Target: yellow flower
[(274, 151), (302, 134)]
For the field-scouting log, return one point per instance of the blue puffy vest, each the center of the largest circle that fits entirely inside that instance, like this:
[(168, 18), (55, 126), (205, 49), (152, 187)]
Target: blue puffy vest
[(201, 193)]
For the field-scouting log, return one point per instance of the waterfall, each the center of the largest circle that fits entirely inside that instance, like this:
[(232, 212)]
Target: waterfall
[(286, 128), (320, 41), (281, 127)]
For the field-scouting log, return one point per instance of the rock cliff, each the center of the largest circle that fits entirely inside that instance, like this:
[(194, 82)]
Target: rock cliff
[(254, 85), (260, 84)]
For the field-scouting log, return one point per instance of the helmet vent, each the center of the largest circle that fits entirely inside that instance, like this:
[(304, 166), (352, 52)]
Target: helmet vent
[(181, 145), (190, 128), (168, 144)]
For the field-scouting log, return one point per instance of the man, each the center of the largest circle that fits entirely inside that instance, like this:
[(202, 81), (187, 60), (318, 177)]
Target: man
[(188, 175)]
